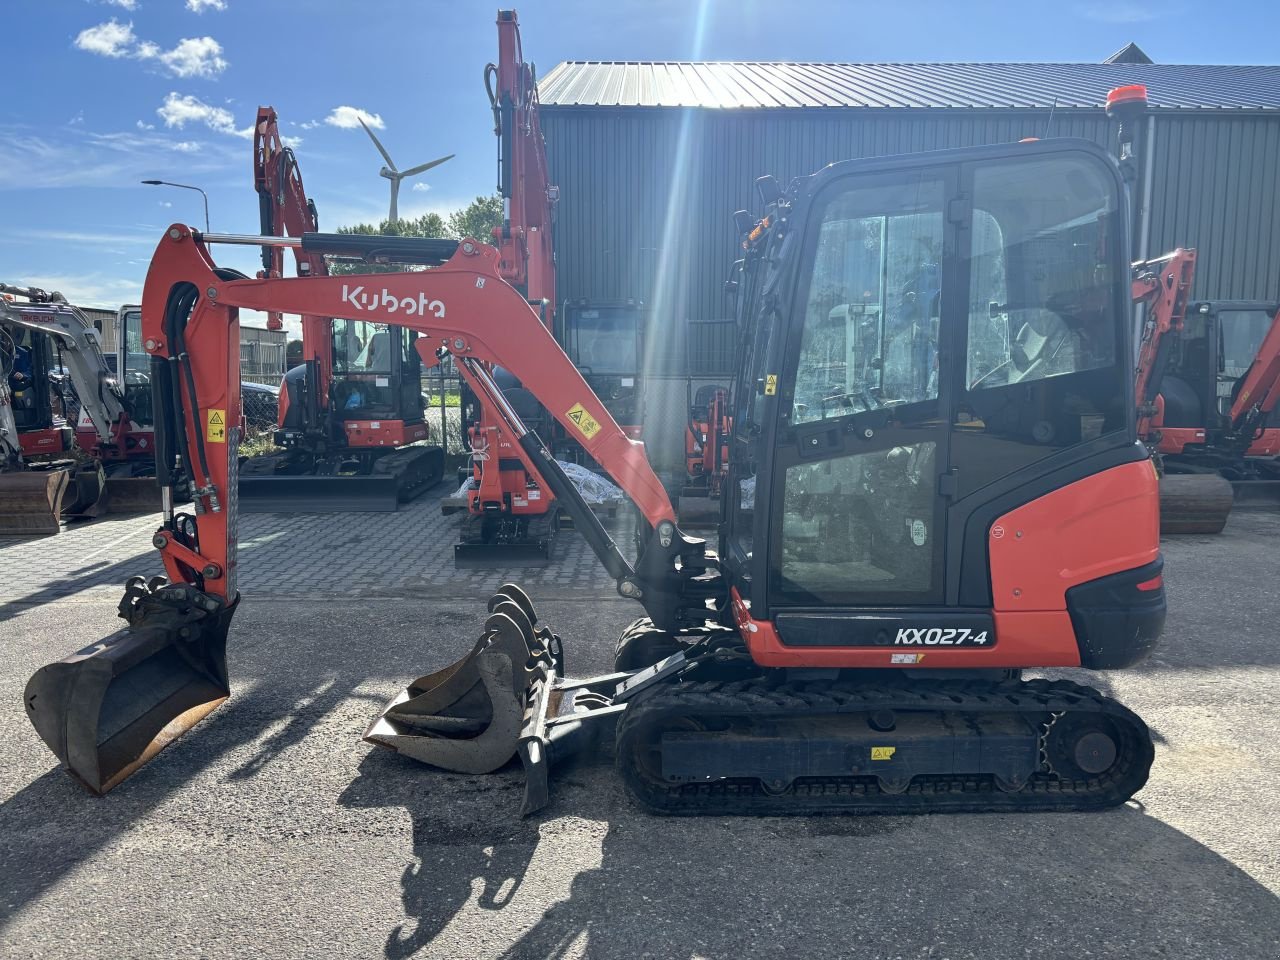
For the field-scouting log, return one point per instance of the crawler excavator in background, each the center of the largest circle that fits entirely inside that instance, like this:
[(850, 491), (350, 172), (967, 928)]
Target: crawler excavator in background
[(351, 418), (41, 332), (1208, 381), (891, 560)]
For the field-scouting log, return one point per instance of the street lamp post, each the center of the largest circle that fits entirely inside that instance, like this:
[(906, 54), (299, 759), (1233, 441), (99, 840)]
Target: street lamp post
[(185, 186)]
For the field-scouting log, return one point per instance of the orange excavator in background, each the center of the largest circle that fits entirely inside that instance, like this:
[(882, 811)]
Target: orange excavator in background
[(351, 415), (891, 560)]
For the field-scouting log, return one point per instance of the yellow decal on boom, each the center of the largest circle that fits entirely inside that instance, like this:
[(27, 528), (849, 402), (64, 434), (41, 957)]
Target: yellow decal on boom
[(217, 426), (585, 423), (883, 753), (770, 384)]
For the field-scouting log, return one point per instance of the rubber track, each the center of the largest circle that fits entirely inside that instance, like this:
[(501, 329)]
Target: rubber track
[(758, 699)]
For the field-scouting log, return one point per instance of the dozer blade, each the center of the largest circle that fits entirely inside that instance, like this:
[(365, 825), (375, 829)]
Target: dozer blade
[(109, 708), (31, 502), (126, 495), (1194, 503)]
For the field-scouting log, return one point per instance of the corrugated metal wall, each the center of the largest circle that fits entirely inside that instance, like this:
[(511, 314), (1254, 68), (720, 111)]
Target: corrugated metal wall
[(1216, 186), (647, 195)]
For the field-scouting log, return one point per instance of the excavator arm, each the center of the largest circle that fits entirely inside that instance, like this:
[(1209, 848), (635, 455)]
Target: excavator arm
[(1259, 389), (1163, 286), (103, 723)]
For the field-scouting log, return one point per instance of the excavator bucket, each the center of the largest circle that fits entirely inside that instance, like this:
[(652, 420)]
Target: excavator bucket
[(505, 697), (1194, 502), (109, 708), (85, 497), (31, 502), (126, 495)]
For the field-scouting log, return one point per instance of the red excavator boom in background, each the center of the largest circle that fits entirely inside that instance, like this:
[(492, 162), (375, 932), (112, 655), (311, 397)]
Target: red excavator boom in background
[(351, 418)]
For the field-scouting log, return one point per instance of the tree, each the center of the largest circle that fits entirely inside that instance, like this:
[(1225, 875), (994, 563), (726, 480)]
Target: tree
[(477, 219), (427, 225)]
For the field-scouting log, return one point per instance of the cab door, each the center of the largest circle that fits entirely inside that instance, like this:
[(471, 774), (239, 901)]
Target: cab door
[(859, 482)]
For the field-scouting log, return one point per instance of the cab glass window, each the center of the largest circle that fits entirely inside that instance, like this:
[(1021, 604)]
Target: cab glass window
[(871, 319)]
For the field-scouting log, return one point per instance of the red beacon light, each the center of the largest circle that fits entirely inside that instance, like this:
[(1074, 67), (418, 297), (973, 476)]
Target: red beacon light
[(1127, 103)]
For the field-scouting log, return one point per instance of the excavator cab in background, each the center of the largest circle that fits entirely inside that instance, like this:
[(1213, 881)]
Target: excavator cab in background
[(605, 341), (1218, 396)]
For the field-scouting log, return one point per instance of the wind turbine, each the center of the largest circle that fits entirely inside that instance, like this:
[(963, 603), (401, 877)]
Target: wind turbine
[(394, 175)]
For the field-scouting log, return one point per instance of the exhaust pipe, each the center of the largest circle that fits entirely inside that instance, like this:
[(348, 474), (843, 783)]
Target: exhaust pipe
[(109, 708)]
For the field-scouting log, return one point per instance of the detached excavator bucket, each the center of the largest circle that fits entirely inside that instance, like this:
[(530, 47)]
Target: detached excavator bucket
[(505, 697), (108, 709), (85, 497), (467, 717), (1194, 503), (31, 502)]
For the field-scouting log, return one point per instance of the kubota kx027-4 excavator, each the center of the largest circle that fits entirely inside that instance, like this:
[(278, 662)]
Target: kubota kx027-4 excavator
[(39, 331), (890, 562), (351, 415)]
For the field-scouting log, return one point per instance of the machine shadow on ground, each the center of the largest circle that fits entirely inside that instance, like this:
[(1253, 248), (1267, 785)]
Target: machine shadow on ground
[(53, 825), (983, 886)]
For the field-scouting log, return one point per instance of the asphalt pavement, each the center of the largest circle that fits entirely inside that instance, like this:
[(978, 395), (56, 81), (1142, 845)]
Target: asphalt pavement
[(272, 831)]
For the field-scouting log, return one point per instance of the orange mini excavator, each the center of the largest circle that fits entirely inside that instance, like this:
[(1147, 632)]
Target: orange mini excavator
[(893, 555), (910, 520)]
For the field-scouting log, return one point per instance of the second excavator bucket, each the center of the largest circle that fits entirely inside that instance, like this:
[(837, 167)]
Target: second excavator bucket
[(125, 495), (467, 717), (504, 697), (31, 502), (109, 708)]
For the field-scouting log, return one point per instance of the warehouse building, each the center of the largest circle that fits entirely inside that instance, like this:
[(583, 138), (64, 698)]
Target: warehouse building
[(652, 159)]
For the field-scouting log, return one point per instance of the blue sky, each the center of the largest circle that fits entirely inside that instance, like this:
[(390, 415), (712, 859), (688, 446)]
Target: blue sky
[(104, 93)]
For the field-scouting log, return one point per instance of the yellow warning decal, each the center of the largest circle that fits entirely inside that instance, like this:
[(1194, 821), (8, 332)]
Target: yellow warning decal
[(770, 384), (585, 423), (216, 431), (883, 753)]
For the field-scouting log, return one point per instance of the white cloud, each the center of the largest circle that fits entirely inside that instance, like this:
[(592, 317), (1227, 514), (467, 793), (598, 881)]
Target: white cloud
[(309, 124), (166, 203), (179, 110), (145, 126), (421, 187), (129, 5), (200, 6), (192, 57), (110, 39), (348, 118)]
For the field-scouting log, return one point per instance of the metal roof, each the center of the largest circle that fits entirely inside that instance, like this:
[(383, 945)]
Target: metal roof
[(774, 85)]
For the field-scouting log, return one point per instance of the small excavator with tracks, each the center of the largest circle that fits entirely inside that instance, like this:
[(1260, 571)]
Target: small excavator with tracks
[(894, 555)]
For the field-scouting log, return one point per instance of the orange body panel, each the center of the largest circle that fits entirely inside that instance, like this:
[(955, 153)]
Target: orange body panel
[(1103, 524)]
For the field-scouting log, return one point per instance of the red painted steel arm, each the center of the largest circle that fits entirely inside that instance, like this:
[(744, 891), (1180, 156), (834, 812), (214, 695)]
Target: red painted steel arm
[(1164, 285), (1260, 389), (527, 258), (462, 306), (286, 212)]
